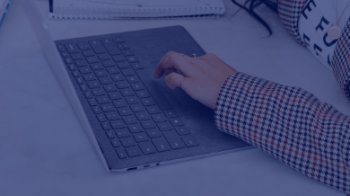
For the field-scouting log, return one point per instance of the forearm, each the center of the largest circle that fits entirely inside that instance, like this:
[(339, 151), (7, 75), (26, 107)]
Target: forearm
[(289, 123)]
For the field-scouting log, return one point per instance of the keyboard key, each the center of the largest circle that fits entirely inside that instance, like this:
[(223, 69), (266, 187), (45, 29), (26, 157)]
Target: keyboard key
[(118, 40), (124, 111), (98, 91), (123, 65), (182, 130), (132, 100), (92, 102), (60, 47), (107, 108), (89, 77), (136, 65), (112, 116), (189, 140), (103, 99), (152, 133), (128, 72), (80, 80), (176, 121), (108, 63), (122, 85), (148, 124), (77, 56), (101, 117), (142, 94), (92, 59), (88, 95), (159, 118), (127, 92), (93, 84), (153, 109), (122, 133), (132, 79), (97, 46), (129, 119), (117, 124), (113, 70), (83, 45), (88, 53), (153, 89), (161, 144), (142, 116), (84, 88), (120, 46), (97, 109), (147, 148), (137, 86), (85, 70), (110, 134), (170, 113), (110, 46), (133, 151), (120, 103), (105, 80), (105, 126), (110, 88), (127, 52), (101, 73), (135, 128), (104, 57), (72, 48), (173, 139), (115, 95), (76, 74), (68, 60), (164, 126), (117, 77), (65, 54), (131, 59), (126, 46), (137, 108), (81, 63), (126, 142), (147, 101), (118, 58), (140, 137), (115, 143), (121, 153), (96, 66)]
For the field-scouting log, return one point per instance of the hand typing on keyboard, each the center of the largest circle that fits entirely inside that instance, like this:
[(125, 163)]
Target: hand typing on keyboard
[(203, 76)]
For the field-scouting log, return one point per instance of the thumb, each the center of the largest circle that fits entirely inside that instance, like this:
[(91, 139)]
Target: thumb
[(174, 79)]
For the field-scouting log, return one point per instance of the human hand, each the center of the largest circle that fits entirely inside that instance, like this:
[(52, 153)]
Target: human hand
[(203, 79)]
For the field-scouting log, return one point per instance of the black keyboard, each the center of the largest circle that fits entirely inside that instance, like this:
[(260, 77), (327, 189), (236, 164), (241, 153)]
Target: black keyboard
[(135, 116)]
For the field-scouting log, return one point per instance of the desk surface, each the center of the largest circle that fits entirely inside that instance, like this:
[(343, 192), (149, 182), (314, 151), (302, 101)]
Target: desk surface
[(44, 151)]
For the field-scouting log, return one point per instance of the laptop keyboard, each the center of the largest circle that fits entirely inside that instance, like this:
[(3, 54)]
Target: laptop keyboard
[(134, 114)]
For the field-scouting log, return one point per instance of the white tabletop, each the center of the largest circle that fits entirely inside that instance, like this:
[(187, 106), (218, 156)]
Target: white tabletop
[(44, 151)]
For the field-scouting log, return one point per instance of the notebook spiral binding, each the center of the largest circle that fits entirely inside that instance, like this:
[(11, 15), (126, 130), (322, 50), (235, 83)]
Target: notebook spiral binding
[(135, 13)]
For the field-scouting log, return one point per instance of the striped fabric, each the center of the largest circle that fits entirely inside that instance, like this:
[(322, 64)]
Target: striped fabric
[(290, 123)]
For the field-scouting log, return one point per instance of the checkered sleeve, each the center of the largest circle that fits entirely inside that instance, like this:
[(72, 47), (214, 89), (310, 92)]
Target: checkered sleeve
[(289, 123)]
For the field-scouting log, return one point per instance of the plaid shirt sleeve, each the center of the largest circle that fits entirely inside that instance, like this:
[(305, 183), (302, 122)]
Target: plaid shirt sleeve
[(289, 123)]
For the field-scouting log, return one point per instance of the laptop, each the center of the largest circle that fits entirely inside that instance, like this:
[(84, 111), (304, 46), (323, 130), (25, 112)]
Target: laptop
[(133, 120)]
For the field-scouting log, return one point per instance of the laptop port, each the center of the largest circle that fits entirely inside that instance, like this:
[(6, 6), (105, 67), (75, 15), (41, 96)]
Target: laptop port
[(132, 168), (146, 166)]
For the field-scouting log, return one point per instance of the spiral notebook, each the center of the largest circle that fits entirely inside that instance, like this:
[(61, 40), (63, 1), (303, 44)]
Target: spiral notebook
[(121, 9)]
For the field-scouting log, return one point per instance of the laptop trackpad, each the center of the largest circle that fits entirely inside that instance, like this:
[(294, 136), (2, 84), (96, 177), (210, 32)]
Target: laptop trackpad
[(175, 97)]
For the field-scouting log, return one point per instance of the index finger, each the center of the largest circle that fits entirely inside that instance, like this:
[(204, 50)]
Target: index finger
[(171, 62)]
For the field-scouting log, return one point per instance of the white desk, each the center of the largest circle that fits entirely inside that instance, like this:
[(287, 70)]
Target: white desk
[(44, 151)]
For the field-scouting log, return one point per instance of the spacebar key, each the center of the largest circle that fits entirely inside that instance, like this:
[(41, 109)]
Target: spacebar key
[(153, 89)]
